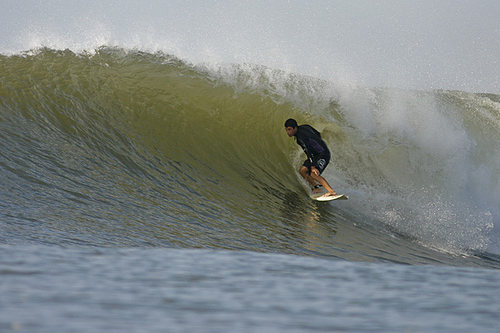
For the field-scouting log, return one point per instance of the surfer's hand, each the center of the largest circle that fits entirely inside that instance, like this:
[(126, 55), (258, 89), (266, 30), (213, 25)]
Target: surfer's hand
[(315, 171)]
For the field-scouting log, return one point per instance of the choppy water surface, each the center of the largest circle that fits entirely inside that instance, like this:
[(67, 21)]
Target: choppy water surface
[(47, 289)]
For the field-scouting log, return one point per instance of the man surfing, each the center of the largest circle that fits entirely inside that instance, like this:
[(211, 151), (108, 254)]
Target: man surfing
[(318, 155)]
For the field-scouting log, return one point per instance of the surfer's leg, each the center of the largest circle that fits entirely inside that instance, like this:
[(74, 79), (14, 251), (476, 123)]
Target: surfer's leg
[(325, 184), (304, 172), (320, 163)]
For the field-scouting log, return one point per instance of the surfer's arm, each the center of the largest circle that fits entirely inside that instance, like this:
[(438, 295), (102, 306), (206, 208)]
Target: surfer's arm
[(315, 146)]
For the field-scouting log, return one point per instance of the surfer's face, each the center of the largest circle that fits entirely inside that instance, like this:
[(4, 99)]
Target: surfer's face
[(291, 131)]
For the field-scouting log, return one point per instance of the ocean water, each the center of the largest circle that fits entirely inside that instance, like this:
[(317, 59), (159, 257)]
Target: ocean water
[(61, 289), (144, 190)]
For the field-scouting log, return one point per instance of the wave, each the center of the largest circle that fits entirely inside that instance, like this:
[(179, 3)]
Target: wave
[(148, 149)]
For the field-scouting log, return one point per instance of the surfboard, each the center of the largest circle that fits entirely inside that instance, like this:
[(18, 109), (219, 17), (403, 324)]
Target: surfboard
[(330, 198), (321, 197)]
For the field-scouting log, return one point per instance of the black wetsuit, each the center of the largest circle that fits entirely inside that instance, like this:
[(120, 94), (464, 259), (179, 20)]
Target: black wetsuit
[(315, 148)]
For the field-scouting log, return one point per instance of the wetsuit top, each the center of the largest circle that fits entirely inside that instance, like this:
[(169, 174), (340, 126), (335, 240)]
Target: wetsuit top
[(310, 141)]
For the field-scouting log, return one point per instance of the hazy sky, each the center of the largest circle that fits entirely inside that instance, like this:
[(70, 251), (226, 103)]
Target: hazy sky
[(451, 44)]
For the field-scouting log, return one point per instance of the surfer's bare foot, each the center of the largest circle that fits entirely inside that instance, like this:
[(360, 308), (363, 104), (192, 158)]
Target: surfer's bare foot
[(330, 194)]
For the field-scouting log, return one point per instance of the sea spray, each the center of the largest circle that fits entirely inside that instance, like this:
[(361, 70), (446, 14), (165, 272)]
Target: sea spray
[(425, 157)]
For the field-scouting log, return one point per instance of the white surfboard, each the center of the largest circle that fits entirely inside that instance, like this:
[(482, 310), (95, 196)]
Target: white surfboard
[(331, 197), (321, 196)]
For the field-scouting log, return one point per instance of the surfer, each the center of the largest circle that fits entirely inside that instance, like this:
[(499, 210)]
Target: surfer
[(317, 153)]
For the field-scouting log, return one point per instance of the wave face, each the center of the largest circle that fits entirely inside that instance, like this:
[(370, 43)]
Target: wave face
[(118, 147)]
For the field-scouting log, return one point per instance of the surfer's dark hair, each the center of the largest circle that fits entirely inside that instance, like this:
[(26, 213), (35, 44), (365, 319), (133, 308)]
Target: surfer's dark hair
[(291, 123)]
